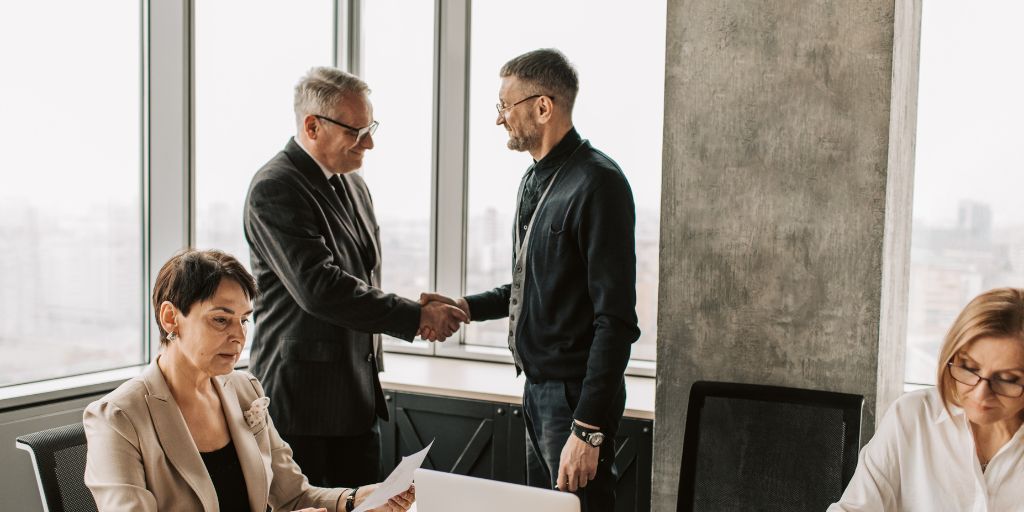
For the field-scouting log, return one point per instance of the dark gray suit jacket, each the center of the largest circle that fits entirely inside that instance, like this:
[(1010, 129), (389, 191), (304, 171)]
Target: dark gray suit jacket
[(318, 272)]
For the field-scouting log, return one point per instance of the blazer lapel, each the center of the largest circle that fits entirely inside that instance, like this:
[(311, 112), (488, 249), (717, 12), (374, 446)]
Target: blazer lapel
[(175, 438), (315, 177), (245, 444)]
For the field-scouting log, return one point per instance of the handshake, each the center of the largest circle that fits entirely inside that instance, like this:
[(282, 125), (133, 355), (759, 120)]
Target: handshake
[(440, 316)]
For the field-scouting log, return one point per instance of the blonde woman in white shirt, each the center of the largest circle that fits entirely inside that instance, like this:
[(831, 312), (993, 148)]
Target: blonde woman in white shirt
[(957, 446)]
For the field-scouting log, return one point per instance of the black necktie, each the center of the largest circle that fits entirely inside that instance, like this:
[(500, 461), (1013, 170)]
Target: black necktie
[(346, 201)]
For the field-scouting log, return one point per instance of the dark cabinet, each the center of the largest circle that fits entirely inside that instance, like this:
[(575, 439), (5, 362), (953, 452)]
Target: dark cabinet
[(488, 440)]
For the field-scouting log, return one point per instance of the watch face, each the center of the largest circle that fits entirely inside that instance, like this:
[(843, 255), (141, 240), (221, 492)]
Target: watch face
[(596, 439)]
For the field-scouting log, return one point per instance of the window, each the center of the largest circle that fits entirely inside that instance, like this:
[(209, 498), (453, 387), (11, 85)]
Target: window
[(398, 64), (71, 224), (619, 109), (968, 232), (248, 58), (151, 146)]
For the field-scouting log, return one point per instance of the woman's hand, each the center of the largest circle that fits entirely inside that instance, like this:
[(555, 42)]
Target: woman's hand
[(398, 503)]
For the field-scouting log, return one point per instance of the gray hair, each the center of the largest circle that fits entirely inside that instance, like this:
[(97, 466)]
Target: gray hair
[(322, 88), (547, 72)]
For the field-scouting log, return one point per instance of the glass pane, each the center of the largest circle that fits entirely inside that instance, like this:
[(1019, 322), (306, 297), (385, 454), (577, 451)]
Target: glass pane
[(619, 109), (249, 55), (398, 63), (968, 215), (70, 187)]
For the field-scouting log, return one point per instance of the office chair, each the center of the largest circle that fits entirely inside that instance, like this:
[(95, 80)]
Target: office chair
[(767, 448), (58, 457)]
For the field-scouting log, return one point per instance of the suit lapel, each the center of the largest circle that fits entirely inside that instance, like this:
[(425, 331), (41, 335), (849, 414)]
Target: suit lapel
[(245, 444), (315, 177), (175, 438)]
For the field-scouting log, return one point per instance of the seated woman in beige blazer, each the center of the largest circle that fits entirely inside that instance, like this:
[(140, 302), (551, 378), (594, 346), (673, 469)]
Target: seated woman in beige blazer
[(191, 433)]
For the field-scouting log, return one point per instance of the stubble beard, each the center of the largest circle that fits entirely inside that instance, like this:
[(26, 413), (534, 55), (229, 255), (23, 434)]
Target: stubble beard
[(529, 139)]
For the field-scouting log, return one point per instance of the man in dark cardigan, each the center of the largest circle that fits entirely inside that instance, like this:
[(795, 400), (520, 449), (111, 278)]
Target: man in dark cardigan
[(571, 304)]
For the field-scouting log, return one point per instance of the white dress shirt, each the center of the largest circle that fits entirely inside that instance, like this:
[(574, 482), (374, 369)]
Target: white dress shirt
[(327, 174), (923, 459)]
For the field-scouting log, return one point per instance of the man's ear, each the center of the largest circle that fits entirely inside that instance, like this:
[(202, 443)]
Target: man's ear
[(310, 127), (544, 109)]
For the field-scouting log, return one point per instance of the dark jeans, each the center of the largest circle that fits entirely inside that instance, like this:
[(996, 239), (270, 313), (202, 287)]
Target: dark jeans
[(338, 461), (549, 408)]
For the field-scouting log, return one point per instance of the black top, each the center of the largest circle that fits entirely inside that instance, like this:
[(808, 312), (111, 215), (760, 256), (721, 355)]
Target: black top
[(540, 173), (228, 480), (578, 317)]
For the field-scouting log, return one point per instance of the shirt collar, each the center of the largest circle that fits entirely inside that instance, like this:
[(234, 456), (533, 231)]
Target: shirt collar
[(546, 167), (327, 174), (946, 413)]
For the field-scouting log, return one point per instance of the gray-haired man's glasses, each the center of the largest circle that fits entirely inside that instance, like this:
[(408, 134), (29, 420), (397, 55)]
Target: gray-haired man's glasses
[(502, 109), (358, 133), (998, 386)]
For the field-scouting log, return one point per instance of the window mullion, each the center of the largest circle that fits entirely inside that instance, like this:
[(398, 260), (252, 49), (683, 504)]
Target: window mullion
[(450, 163), (169, 183), (348, 46)]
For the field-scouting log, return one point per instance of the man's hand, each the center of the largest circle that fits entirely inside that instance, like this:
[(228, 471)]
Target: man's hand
[(434, 333), (439, 320), (578, 463), (427, 297)]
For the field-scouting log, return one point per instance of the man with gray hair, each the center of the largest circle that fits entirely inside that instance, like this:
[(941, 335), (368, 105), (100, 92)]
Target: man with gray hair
[(571, 304), (315, 253)]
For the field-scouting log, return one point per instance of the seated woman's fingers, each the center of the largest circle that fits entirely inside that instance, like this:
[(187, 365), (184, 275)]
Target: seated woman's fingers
[(402, 501)]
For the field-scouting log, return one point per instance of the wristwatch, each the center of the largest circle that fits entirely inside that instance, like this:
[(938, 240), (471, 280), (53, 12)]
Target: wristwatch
[(350, 501), (591, 436)]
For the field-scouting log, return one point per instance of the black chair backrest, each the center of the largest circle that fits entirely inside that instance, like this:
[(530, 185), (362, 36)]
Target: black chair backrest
[(767, 448), (58, 455)]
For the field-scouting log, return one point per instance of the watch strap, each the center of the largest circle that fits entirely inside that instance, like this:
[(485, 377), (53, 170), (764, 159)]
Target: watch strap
[(350, 501), (584, 434)]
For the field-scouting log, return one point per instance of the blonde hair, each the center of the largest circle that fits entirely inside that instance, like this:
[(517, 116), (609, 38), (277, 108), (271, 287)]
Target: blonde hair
[(997, 313)]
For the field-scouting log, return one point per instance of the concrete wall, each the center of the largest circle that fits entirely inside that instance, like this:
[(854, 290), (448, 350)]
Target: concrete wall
[(787, 176)]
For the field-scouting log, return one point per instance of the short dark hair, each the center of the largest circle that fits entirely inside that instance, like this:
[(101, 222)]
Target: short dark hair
[(192, 276), (548, 71)]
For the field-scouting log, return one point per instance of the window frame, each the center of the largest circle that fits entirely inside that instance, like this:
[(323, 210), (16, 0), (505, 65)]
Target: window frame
[(168, 160), (450, 171)]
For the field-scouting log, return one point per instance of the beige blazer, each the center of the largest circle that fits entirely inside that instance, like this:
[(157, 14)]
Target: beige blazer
[(141, 456)]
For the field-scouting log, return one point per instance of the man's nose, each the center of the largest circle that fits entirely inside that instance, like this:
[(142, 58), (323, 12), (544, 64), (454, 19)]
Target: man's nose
[(501, 119), (367, 141)]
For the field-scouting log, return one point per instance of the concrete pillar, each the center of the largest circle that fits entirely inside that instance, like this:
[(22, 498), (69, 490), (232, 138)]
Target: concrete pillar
[(786, 202)]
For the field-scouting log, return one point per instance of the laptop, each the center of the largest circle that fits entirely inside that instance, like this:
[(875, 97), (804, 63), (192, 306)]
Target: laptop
[(437, 491)]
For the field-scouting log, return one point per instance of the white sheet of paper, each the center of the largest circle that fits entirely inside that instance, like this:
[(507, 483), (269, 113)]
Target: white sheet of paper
[(397, 482)]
